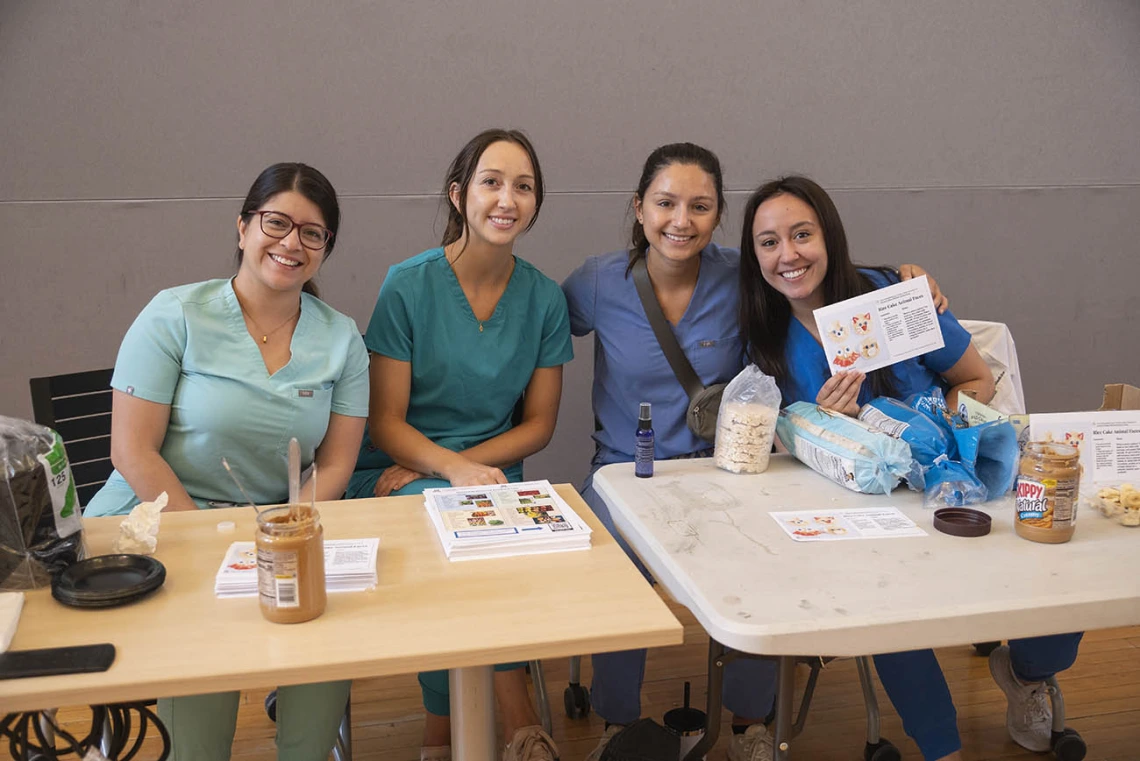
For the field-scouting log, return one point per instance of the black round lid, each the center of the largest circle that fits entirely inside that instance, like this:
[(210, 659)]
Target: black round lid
[(962, 521), (108, 580), (685, 720)]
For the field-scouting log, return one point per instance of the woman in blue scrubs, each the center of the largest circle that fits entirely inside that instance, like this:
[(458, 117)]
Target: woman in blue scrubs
[(794, 259), (235, 368), (678, 204), (467, 343)]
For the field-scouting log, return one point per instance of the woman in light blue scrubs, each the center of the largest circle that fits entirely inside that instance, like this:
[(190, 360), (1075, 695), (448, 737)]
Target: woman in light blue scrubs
[(467, 344), (235, 368), (794, 259), (678, 204)]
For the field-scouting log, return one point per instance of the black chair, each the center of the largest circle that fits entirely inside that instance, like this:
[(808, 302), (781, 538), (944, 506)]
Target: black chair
[(78, 407)]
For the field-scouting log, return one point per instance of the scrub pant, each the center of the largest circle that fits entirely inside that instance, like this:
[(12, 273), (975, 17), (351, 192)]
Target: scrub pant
[(917, 688), (308, 716)]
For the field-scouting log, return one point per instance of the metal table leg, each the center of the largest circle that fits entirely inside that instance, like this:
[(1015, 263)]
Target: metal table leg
[(785, 694), (717, 659)]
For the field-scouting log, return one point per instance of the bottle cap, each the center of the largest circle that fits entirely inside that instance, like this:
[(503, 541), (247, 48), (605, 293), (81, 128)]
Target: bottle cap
[(962, 521), (646, 412)]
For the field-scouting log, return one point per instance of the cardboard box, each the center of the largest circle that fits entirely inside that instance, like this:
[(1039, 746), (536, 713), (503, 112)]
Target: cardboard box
[(1120, 396)]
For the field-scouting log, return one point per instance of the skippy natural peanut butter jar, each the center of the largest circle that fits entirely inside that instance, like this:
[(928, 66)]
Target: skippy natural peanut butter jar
[(290, 564), (1047, 485)]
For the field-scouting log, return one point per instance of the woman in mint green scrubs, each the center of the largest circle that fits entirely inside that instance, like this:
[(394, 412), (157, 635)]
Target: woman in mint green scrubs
[(467, 344), (235, 368)]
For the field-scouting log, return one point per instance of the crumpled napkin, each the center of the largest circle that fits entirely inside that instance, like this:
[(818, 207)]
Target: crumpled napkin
[(138, 533), (11, 603)]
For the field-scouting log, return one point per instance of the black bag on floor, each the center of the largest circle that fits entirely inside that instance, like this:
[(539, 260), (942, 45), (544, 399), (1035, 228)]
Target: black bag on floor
[(643, 740)]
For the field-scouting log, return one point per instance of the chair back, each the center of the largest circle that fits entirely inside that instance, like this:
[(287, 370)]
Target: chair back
[(995, 343), (78, 407)]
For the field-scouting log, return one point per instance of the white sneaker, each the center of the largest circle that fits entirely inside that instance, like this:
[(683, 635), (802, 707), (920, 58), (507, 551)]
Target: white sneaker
[(531, 744), (435, 753), (611, 730), (754, 745), (1029, 712)]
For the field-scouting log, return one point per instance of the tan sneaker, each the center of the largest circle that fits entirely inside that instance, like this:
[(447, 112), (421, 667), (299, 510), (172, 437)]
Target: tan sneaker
[(611, 730), (754, 745), (531, 744), (435, 753)]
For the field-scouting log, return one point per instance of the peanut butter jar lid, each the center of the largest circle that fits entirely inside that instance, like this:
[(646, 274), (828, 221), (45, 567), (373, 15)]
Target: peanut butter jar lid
[(962, 521)]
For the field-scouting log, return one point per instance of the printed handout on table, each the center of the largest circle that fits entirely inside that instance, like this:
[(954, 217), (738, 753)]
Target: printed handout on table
[(846, 523), (880, 328)]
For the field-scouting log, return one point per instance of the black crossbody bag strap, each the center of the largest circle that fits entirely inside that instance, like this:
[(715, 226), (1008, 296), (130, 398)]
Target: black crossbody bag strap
[(684, 371)]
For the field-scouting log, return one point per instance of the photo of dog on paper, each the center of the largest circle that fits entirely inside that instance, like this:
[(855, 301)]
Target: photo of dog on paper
[(880, 328)]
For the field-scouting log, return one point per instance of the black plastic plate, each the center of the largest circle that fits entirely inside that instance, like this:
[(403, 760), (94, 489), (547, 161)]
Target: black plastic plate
[(108, 580)]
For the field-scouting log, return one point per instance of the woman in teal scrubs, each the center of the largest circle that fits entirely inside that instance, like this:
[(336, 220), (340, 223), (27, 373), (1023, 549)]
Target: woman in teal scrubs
[(467, 344), (235, 368)]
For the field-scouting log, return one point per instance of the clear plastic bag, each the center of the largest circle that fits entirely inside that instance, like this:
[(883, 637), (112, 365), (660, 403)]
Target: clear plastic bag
[(40, 528), (746, 425)]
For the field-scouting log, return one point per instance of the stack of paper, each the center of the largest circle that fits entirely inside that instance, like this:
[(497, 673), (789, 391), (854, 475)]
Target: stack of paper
[(503, 520), (350, 566)]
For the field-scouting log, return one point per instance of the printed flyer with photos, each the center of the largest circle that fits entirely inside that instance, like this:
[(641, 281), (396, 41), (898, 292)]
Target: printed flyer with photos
[(880, 328)]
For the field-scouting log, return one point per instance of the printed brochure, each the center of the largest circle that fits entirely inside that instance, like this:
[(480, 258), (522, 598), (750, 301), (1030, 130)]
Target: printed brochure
[(504, 519)]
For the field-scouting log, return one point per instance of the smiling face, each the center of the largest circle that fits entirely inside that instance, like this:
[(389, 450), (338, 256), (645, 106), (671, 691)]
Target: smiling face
[(790, 250), (280, 264), (500, 197), (678, 212)]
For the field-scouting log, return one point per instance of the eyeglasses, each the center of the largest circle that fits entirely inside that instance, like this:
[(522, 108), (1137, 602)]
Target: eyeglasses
[(278, 225)]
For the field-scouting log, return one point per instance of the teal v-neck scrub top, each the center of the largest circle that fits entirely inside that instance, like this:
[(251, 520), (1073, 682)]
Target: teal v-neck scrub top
[(467, 375), (189, 348)]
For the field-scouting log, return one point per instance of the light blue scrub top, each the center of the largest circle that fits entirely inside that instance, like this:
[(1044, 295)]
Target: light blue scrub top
[(629, 365), (189, 348), (467, 376), (808, 369)]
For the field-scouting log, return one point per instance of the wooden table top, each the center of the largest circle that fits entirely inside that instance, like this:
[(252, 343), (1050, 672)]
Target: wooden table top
[(426, 612)]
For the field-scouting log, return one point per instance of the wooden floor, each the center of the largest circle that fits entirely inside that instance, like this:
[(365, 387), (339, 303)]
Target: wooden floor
[(1102, 693)]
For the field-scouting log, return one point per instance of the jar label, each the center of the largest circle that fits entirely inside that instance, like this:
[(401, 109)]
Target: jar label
[(1047, 503), (277, 578)]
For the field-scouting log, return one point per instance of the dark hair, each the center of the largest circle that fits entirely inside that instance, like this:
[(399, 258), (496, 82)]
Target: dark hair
[(765, 313), (463, 167), (305, 180), (665, 156)]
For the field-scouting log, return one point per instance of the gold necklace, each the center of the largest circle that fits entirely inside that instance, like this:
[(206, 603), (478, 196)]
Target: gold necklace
[(266, 334)]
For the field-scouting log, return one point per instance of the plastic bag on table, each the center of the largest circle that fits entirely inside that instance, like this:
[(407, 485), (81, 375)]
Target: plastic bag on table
[(746, 425), (926, 438), (845, 450), (991, 452), (40, 528), (950, 483)]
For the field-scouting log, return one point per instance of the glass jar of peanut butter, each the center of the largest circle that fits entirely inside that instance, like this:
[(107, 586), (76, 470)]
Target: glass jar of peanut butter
[(290, 564), (1048, 476)]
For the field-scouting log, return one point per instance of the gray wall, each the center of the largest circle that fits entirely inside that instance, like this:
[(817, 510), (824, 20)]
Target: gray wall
[(997, 143)]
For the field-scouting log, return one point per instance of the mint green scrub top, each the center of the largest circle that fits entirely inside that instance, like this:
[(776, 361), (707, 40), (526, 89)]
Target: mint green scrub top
[(465, 380), (189, 348)]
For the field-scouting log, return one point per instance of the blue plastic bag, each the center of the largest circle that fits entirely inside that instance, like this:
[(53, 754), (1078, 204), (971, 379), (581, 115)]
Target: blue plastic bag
[(926, 439)]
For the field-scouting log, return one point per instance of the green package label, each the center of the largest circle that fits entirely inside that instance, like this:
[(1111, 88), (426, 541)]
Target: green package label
[(61, 486)]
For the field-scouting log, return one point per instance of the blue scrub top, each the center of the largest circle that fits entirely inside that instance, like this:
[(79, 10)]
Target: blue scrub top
[(629, 365), (467, 375), (808, 367), (190, 348)]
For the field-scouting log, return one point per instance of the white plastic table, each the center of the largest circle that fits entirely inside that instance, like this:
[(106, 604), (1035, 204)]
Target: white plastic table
[(707, 537)]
